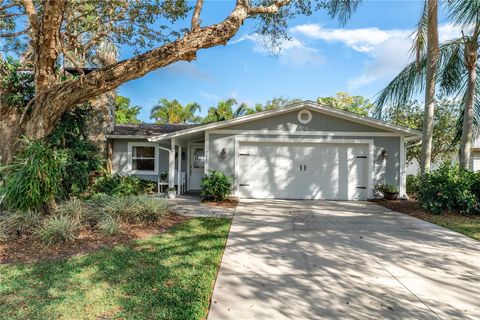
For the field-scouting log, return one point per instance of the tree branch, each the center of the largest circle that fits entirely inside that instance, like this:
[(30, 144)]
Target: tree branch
[(14, 34), (196, 15), (273, 8), (32, 16)]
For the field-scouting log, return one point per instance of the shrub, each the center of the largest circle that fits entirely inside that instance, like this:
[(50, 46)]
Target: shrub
[(216, 186), (73, 208), (138, 208), (117, 185), (23, 221), (108, 225), (413, 184), (449, 189), (57, 229), (386, 188), (34, 178), (84, 157)]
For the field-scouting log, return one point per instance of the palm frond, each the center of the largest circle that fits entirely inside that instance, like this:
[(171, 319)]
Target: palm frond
[(464, 12), (452, 72), (476, 110), (419, 46), (411, 80), (341, 9)]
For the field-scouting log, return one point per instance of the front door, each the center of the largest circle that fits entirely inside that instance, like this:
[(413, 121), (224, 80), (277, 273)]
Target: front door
[(197, 166)]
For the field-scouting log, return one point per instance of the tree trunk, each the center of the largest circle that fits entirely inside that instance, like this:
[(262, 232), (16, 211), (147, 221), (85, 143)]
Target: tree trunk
[(11, 132), (432, 56), (468, 113)]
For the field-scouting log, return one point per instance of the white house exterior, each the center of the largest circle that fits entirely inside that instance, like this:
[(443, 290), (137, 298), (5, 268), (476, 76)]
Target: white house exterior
[(303, 151)]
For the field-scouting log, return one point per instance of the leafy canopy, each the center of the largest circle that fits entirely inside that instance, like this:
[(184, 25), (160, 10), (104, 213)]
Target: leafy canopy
[(125, 113)]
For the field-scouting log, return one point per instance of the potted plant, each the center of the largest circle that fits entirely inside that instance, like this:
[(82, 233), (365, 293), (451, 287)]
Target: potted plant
[(389, 191), (172, 193), (164, 176)]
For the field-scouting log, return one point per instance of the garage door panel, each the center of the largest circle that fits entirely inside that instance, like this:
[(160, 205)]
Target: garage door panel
[(302, 171)]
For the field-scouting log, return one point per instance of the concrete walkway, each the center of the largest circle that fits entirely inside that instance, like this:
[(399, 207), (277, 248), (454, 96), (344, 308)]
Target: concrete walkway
[(191, 206), (343, 260)]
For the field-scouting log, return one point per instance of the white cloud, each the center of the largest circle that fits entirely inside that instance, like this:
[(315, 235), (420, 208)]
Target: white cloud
[(388, 51), (290, 51), (361, 40)]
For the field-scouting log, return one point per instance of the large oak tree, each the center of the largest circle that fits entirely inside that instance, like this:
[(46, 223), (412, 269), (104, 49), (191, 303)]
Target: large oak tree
[(48, 33)]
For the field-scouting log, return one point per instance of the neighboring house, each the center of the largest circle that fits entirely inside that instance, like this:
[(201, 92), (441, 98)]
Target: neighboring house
[(303, 151), (475, 157), (413, 167)]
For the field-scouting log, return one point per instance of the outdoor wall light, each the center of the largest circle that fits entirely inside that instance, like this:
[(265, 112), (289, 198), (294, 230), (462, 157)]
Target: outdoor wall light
[(223, 153), (384, 154)]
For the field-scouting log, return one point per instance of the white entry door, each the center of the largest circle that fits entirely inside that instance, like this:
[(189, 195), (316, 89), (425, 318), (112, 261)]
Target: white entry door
[(197, 166), (303, 171)]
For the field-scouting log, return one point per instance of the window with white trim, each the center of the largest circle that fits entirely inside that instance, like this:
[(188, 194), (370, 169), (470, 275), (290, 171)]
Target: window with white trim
[(143, 158)]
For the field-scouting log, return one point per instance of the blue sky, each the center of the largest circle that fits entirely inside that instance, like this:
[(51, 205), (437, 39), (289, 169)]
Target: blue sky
[(321, 58)]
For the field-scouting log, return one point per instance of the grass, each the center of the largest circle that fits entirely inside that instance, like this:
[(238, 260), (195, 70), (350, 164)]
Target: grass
[(169, 276), (467, 225)]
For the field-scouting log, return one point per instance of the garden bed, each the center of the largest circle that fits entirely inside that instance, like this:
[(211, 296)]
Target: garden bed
[(227, 203), (468, 225), (28, 249)]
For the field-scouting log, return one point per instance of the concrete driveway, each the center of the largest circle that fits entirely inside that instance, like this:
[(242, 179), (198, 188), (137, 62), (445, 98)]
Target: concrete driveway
[(343, 260)]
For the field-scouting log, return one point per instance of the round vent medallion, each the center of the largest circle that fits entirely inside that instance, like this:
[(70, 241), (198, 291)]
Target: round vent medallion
[(304, 116)]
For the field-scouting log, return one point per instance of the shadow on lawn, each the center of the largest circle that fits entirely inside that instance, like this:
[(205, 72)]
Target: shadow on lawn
[(167, 276)]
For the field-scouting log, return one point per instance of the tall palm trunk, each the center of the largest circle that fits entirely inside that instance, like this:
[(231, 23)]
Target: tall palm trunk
[(471, 57), (431, 70)]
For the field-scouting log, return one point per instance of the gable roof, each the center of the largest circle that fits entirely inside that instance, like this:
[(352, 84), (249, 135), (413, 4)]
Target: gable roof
[(146, 130), (293, 107)]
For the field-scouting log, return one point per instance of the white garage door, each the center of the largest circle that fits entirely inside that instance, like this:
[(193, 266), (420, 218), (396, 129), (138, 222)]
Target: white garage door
[(303, 171)]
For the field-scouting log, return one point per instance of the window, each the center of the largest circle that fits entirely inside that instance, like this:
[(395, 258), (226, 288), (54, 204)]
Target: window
[(143, 158), (199, 158)]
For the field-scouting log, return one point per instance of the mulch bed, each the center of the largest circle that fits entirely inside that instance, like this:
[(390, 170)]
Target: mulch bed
[(410, 207), (227, 203), (26, 249)]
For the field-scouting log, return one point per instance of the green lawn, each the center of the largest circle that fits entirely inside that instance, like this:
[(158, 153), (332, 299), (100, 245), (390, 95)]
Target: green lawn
[(467, 225), (169, 276)]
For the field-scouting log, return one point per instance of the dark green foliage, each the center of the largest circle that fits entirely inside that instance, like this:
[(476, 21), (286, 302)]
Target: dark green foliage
[(117, 185), (216, 186), (386, 188), (34, 178), (448, 189), (16, 87), (53, 169), (413, 184), (83, 156)]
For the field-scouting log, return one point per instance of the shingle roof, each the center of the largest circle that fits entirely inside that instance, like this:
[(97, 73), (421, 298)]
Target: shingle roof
[(148, 129)]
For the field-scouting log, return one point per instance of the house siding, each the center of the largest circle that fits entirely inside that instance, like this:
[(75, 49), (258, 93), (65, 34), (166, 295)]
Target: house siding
[(319, 122), (120, 159)]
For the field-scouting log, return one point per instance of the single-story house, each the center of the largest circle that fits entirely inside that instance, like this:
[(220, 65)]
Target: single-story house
[(303, 151)]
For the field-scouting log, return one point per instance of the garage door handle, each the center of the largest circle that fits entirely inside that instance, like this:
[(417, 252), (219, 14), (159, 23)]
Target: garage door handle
[(244, 185), (361, 187)]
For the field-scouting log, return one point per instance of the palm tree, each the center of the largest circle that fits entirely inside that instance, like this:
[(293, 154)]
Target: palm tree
[(467, 13), (428, 21), (226, 110), (172, 111), (455, 70)]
